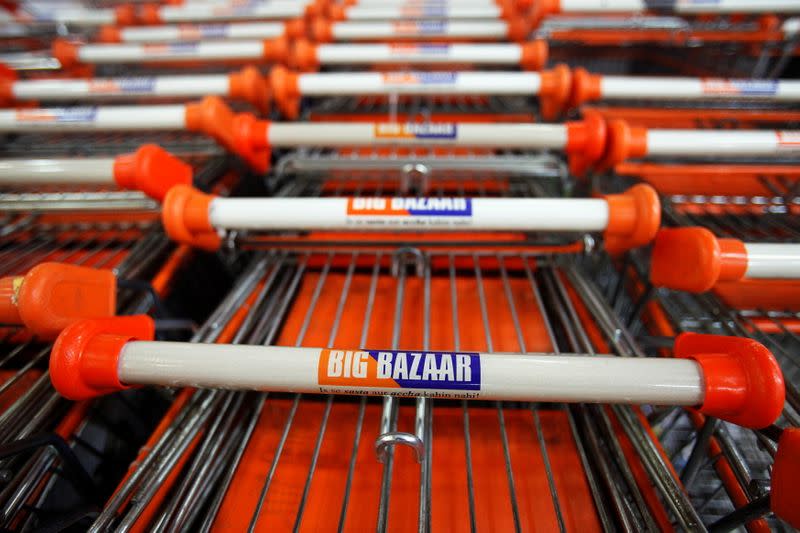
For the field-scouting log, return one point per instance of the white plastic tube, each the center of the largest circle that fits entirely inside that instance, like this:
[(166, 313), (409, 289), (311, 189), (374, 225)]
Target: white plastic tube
[(423, 11), (487, 54), (633, 87), (773, 260), (681, 6), (543, 136), (419, 83), (553, 378), (722, 143), (513, 214), (280, 9), (94, 170), (181, 51), (202, 32), (75, 16), (121, 118), (420, 29), (111, 88)]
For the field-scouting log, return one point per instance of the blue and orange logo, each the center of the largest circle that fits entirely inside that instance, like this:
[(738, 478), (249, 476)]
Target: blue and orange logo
[(420, 27), (409, 207), (123, 86), (419, 78), (56, 114), (715, 86), (169, 48), (400, 369), (190, 32), (416, 130)]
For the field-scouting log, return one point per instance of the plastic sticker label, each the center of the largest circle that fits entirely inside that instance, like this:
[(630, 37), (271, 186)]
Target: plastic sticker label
[(419, 78), (416, 50), (57, 114), (420, 27), (123, 86), (415, 130), (205, 31), (169, 48), (422, 11), (400, 373), (409, 212), (716, 86)]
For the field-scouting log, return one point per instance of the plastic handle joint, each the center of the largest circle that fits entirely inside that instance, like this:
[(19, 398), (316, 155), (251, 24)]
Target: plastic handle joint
[(52, 296), (743, 382), (785, 491), (84, 358), (152, 170)]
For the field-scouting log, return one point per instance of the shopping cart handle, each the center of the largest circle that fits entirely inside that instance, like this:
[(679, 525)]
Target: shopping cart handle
[(152, 170), (743, 381), (785, 489), (52, 296), (634, 218), (79, 361)]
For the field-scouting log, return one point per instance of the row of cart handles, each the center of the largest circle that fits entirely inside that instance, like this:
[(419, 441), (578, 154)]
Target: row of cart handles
[(558, 90), (532, 12), (591, 143)]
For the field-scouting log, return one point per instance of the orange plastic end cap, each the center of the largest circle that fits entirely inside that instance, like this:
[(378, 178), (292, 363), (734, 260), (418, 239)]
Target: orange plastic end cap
[(6, 92), (54, 295), (541, 9), (743, 381), (125, 15), (295, 28), (65, 52), (586, 142), (150, 14), (252, 141), (633, 218), (152, 170), (337, 12), (109, 34), (554, 91), (518, 29), (85, 357), (321, 30), (287, 94), (277, 50), (185, 215), (585, 87), (303, 56), (624, 142), (9, 288), (249, 85), (534, 54), (785, 489), (685, 259)]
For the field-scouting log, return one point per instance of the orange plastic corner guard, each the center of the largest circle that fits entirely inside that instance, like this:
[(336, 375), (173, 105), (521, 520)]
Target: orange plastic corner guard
[(633, 218), (585, 87), (185, 215), (785, 490), (694, 260), (84, 358), (249, 85), (212, 117), (624, 142), (586, 141), (51, 296), (743, 382), (65, 52), (152, 170), (534, 54), (303, 56), (554, 91), (285, 91)]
